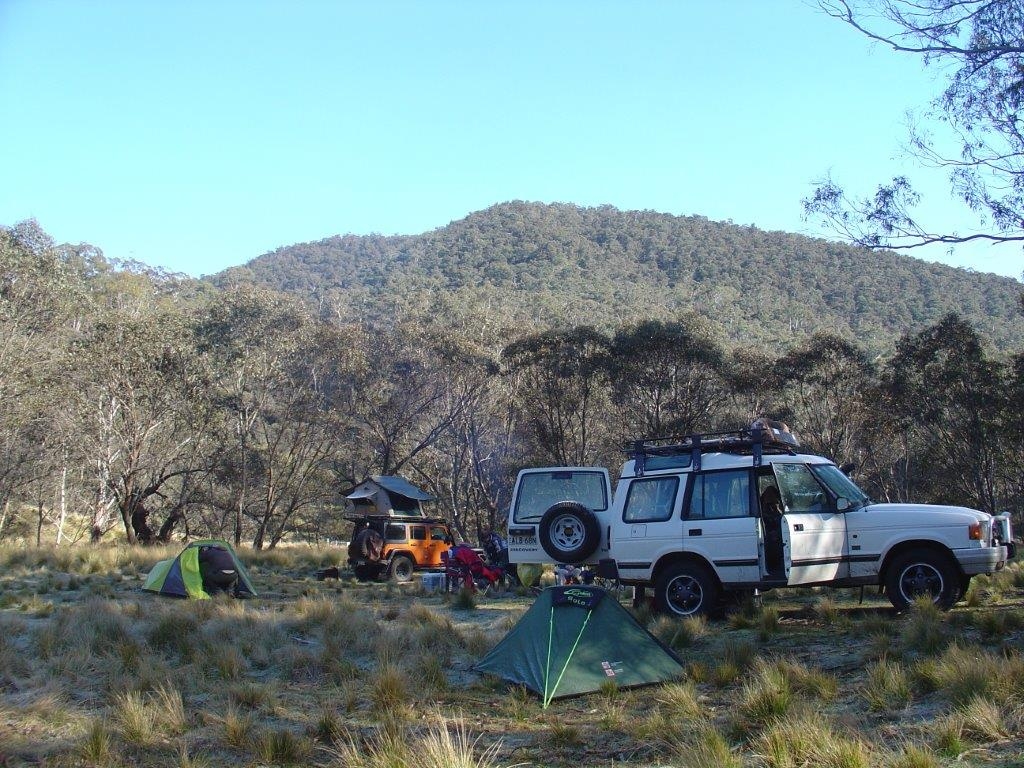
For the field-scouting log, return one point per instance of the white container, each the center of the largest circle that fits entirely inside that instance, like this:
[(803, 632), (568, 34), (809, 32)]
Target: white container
[(434, 582)]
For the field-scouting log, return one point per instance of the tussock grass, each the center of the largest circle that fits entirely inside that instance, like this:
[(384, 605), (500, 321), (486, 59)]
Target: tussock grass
[(253, 695), (765, 698), (680, 633), (887, 687), (389, 689), (98, 747), (305, 672), (145, 718), (561, 735), (238, 727), (519, 704), (914, 756), (282, 746), (443, 745), (925, 631), (703, 747), (962, 673), (464, 600), (806, 740)]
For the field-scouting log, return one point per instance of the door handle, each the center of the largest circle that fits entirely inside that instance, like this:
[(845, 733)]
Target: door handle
[(695, 532), (798, 526)]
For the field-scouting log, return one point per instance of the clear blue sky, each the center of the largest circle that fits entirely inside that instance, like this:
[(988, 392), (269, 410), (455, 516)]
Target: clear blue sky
[(197, 134)]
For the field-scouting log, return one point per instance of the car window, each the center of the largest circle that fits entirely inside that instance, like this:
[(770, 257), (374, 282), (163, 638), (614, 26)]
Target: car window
[(720, 494), (801, 492), (840, 484), (439, 533), (395, 532), (417, 533), (538, 491), (650, 500)]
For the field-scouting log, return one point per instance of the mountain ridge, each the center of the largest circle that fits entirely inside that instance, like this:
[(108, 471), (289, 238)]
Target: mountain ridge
[(547, 261)]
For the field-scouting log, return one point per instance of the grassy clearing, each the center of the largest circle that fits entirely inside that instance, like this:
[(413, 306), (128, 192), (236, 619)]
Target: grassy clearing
[(92, 671)]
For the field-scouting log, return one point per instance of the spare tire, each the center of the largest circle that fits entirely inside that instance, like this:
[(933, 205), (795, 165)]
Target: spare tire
[(367, 545), (569, 532)]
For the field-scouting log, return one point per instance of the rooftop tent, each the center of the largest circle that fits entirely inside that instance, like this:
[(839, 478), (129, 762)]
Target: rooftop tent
[(200, 568), (388, 495), (574, 639)]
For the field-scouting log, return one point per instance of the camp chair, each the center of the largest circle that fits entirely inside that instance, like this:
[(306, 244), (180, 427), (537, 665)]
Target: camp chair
[(463, 567)]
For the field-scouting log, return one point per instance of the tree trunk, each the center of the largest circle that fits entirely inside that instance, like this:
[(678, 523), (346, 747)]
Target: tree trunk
[(167, 528), (62, 501)]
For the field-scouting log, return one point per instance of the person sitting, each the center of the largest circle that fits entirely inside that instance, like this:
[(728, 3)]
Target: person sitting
[(772, 510)]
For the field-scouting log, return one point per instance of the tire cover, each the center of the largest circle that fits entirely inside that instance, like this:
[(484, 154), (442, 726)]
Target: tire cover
[(368, 544)]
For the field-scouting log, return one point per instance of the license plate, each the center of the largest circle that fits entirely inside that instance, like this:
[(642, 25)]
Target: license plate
[(522, 541)]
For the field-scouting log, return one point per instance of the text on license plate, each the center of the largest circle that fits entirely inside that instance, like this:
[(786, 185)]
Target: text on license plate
[(522, 541)]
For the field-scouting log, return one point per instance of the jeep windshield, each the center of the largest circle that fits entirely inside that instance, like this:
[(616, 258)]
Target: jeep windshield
[(841, 485), (538, 491)]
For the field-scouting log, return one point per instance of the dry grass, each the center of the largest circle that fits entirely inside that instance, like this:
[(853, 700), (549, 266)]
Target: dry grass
[(94, 672)]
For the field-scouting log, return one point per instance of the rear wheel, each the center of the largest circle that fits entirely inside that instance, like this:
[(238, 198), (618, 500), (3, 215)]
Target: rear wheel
[(686, 589), (366, 571), (401, 569), (922, 573)]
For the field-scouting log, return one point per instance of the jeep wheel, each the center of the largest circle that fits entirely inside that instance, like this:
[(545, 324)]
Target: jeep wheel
[(401, 569), (366, 571), (686, 589), (569, 532), (922, 573)]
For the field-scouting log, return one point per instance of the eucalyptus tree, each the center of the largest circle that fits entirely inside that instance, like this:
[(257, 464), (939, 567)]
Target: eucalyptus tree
[(281, 388), (951, 399), (43, 295), (561, 394), (828, 384), (978, 46), (667, 378), (413, 386), (148, 416)]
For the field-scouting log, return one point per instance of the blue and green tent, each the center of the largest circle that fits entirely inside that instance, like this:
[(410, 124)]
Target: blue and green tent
[(182, 576), (575, 639)]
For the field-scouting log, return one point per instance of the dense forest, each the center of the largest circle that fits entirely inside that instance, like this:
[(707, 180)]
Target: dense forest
[(141, 405), (552, 266)]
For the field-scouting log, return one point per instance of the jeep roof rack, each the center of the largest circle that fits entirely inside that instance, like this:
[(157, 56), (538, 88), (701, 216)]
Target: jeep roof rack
[(754, 441), (357, 518)]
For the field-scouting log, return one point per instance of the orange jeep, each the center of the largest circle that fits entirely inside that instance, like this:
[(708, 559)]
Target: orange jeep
[(393, 547)]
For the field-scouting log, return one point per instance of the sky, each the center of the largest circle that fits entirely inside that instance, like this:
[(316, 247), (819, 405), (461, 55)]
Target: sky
[(196, 135)]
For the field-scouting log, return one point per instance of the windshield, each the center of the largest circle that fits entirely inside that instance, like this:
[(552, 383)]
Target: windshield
[(841, 485), (538, 491)]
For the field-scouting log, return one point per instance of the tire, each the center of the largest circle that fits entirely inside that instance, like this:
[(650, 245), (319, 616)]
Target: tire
[(686, 589), (367, 545), (401, 569), (569, 532), (922, 572), (366, 571)]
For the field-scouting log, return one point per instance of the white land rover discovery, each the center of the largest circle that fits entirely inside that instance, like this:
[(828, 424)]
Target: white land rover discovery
[(742, 510)]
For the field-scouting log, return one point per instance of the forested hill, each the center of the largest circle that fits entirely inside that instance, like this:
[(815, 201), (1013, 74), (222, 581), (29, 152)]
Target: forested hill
[(560, 265)]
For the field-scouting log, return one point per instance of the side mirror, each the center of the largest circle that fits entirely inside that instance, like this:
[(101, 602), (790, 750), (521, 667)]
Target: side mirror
[(842, 504)]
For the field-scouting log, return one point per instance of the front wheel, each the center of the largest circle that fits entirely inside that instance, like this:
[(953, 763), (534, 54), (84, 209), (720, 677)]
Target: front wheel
[(686, 589), (922, 573)]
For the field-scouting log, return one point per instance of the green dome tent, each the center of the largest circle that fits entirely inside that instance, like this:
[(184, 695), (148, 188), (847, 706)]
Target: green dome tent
[(574, 639), (182, 576)]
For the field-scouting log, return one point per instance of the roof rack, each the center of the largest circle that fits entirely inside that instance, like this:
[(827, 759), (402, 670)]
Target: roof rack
[(755, 441)]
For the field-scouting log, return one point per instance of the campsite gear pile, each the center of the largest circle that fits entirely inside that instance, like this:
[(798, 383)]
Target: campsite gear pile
[(463, 567), (573, 640), (201, 570)]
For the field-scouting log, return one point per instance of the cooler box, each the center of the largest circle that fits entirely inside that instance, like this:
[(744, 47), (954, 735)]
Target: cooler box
[(433, 582)]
